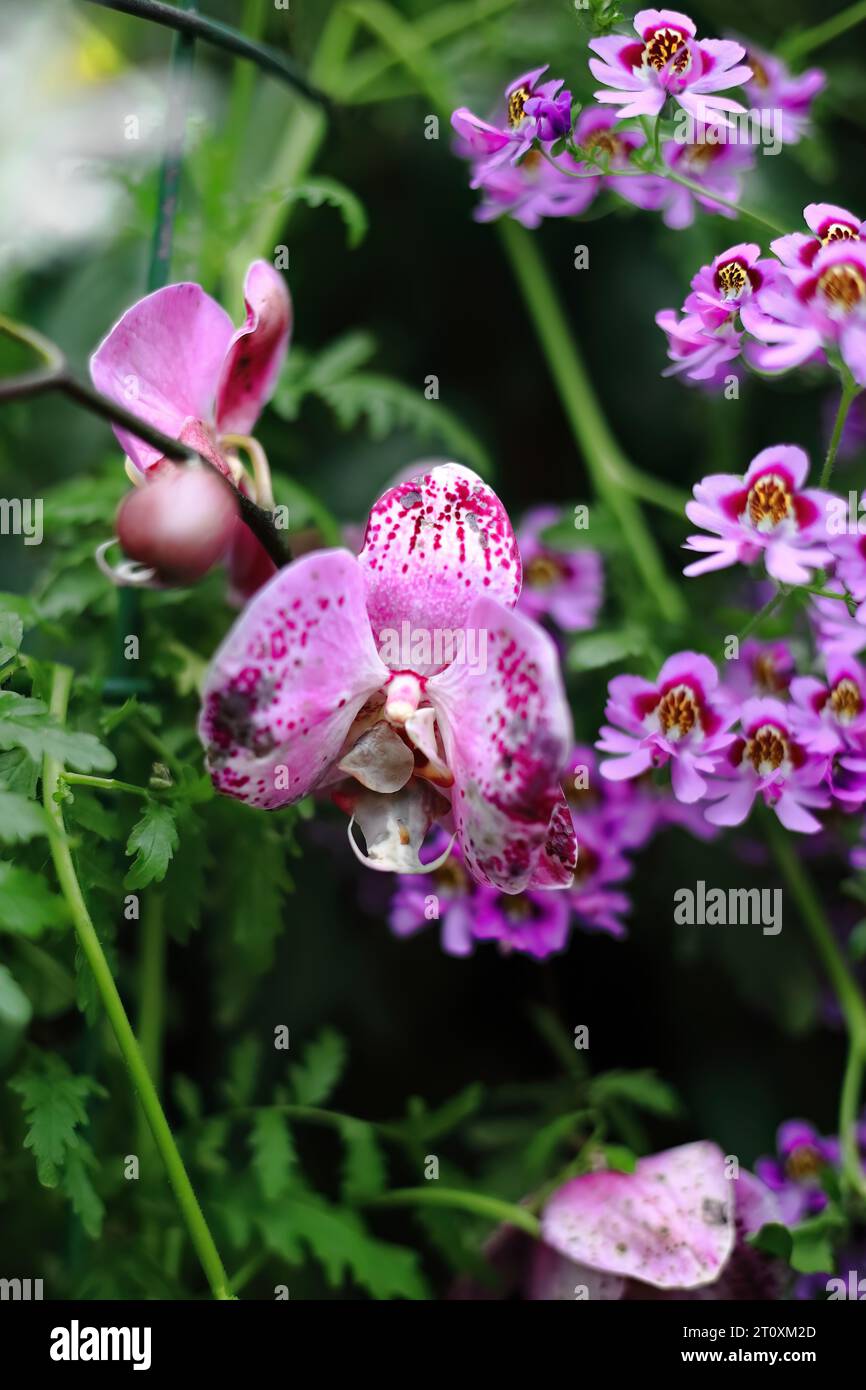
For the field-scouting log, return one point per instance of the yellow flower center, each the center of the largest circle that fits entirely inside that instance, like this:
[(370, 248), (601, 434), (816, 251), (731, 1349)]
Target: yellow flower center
[(605, 141), (768, 503), (846, 701), (803, 1163), (732, 278), (842, 285), (838, 231), (451, 876), (767, 749), (677, 711), (542, 571), (659, 50), (759, 73), (516, 102)]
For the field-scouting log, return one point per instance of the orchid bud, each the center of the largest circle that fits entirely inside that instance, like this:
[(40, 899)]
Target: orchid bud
[(179, 524)]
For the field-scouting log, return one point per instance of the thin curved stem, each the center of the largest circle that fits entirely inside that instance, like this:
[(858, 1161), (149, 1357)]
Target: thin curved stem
[(850, 392), (708, 193), (607, 465), (491, 1208), (223, 36), (845, 986), (809, 39), (127, 1042), (104, 784)]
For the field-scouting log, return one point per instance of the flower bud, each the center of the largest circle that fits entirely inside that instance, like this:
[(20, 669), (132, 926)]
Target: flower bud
[(180, 523)]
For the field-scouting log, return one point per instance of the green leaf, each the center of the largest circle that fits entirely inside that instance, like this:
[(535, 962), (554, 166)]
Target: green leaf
[(338, 1240), (364, 1171), (15, 1008), (18, 773), (774, 1239), (27, 904), (422, 1124), (314, 1078), (153, 840), (76, 1183), (320, 191), (641, 1088), (619, 1158), (53, 1100), (11, 636), (599, 649), (387, 405), (813, 1241), (20, 819), (27, 724), (274, 1154)]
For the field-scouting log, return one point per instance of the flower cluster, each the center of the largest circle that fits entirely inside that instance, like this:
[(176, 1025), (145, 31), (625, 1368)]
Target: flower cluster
[(797, 742), (541, 156), (806, 305)]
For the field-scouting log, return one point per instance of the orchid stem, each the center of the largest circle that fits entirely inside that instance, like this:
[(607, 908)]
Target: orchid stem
[(845, 986), (850, 392), (607, 466), (197, 1227)]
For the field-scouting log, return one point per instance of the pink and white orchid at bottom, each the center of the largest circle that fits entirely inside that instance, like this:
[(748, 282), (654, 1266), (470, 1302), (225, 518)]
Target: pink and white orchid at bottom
[(402, 682)]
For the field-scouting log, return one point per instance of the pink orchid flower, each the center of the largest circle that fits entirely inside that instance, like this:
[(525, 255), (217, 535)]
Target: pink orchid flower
[(402, 682), (768, 512), (674, 1228), (176, 360), (668, 61)]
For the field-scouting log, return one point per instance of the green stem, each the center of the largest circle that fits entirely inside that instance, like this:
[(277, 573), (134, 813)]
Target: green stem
[(850, 391), (443, 22), (708, 193), (220, 36), (151, 1010), (606, 463), (91, 947), (104, 784), (847, 991), (808, 40), (762, 614), (491, 1208), (172, 162)]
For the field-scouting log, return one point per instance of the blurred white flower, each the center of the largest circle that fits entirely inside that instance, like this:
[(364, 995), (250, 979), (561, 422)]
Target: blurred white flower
[(80, 127)]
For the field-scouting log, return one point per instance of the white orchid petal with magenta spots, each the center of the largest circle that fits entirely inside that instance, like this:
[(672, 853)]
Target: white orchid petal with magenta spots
[(670, 1223), (507, 736), (433, 544), (285, 686)]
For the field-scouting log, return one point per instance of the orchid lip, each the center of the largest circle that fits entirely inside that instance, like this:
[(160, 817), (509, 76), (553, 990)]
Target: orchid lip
[(416, 868), (129, 574)]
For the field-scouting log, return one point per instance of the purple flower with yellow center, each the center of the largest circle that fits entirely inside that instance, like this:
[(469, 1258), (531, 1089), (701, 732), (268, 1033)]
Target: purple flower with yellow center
[(721, 288), (827, 223), (629, 812), (533, 110), (773, 87), (768, 513), (716, 167), (565, 586), (668, 61), (402, 682), (769, 761), (762, 668), (832, 714), (674, 719), (794, 1173), (597, 905), (807, 317)]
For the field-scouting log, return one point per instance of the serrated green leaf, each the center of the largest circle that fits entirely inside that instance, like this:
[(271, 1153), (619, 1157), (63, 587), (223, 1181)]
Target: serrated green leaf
[(11, 636), (364, 1171), (27, 904), (422, 1124), (318, 192), (20, 819), (774, 1239), (18, 773), (813, 1241), (27, 724), (54, 1107), (641, 1088), (274, 1154), (153, 840), (338, 1241), (76, 1183), (315, 1076)]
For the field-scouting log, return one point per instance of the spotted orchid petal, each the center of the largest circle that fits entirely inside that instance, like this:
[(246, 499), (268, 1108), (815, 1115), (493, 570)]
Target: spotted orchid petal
[(255, 354), (669, 1224), (285, 686), (507, 737), (162, 361), (433, 543)]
